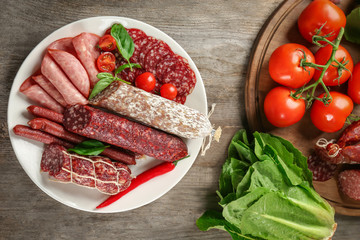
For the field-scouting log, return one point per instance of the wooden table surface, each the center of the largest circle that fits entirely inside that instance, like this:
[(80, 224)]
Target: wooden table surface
[(218, 35)]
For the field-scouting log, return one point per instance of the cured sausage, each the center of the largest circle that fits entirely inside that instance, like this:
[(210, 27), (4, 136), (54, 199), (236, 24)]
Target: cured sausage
[(85, 47), (34, 92), (73, 69), (56, 76), (153, 110), (93, 172), (45, 113), (45, 124), (37, 135), (96, 124), (45, 84), (64, 44)]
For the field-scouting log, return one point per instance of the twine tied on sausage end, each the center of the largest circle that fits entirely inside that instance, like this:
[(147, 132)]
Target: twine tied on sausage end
[(214, 135)]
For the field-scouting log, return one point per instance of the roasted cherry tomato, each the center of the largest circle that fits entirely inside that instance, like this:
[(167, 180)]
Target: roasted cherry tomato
[(281, 109), (106, 62), (331, 117), (318, 13), (331, 76), (107, 43), (284, 65), (168, 91), (145, 81), (354, 84)]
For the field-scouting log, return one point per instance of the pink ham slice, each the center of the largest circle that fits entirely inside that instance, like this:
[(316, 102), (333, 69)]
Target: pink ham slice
[(34, 92), (73, 69), (85, 47), (64, 44), (56, 76), (45, 84)]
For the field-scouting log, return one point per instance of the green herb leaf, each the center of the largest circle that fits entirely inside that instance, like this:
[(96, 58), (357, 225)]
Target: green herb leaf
[(89, 147), (352, 28), (127, 65), (124, 42), (101, 85)]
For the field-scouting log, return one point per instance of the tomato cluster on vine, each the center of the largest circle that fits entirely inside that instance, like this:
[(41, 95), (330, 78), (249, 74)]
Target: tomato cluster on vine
[(300, 72)]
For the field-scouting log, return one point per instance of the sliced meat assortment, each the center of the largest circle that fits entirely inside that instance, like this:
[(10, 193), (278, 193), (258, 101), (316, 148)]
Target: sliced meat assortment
[(45, 84), (85, 47), (96, 124), (153, 110), (93, 172), (73, 69), (34, 92), (52, 71)]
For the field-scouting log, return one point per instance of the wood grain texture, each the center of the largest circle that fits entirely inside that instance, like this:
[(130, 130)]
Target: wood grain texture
[(218, 35)]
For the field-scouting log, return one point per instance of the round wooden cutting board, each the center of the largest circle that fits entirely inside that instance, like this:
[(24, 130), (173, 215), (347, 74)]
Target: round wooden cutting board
[(281, 28)]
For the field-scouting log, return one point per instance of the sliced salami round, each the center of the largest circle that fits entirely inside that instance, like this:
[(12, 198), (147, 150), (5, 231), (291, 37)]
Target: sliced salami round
[(146, 47), (176, 77), (138, 44), (349, 183), (154, 56), (165, 66), (136, 33), (321, 169)]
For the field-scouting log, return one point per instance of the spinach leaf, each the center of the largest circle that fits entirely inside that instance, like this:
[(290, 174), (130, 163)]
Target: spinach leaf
[(124, 42), (89, 147), (352, 28)]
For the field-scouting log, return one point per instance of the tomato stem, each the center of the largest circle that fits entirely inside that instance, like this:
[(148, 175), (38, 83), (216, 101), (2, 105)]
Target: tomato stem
[(312, 87)]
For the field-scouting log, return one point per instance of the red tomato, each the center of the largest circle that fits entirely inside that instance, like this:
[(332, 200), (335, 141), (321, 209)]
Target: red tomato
[(107, 43), (318, 13), (331, 75), (284, 65), (331, 118), (106, 62), (168, 91), (354, 84), (281, 109), (145, 81)]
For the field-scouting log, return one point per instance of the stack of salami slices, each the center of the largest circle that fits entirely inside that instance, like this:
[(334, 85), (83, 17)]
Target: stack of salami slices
[(155, 56)]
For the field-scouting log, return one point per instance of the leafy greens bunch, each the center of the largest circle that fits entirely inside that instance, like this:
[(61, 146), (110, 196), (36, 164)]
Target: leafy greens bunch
[(266, 192)]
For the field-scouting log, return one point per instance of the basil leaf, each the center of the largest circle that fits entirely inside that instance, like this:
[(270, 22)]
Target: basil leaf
[(352, 28), (124, 42), (101, 85), (127, 65), (104, 75), (89, 147)]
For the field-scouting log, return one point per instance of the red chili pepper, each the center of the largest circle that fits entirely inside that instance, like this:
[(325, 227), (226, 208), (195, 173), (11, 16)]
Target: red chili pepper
[(140, 179)]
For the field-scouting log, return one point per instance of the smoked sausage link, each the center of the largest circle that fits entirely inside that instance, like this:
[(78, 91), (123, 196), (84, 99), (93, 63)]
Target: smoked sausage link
[(106, 127), (153, 110)]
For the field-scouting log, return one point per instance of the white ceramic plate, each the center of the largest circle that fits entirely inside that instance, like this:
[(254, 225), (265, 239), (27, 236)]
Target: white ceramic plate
[(29, 152)]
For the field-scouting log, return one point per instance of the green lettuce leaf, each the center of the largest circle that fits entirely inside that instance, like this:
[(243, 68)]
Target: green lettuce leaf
[(352, 28)]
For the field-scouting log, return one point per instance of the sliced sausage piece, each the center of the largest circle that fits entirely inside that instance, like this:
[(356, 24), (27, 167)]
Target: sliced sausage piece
[(94, 171), (64, 44), (153, 110), (34, 92), (49, 88), (73, 69), (96, 124), (349, 181), (85, 47), (52, 71), (136, 33)]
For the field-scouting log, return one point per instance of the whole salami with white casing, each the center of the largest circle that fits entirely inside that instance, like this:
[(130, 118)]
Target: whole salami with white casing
[(153, 110), (91, 171)]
